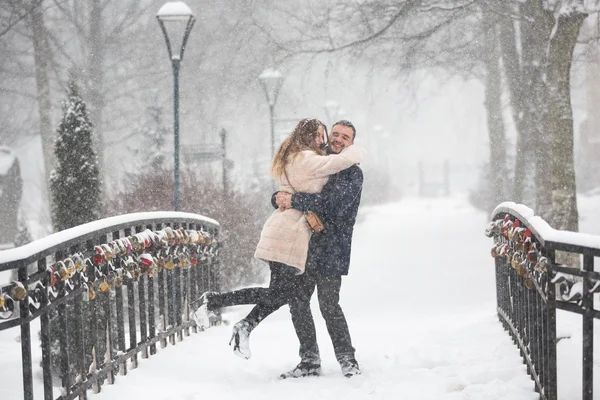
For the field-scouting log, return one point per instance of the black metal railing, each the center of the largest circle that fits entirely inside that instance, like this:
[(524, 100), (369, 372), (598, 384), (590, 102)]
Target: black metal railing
[(105, 293), (531, 286)]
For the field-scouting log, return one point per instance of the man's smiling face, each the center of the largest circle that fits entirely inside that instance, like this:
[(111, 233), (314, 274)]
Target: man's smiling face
[(340, 137)]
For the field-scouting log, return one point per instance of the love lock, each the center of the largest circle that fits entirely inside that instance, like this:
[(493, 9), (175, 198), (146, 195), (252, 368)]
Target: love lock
[(114, 247), (503, 249), (137, 242), (516, 259), (489, 230), (513, 230), (18, 292), (108, 253), (78, 261), (118, 277), (51, 276), (7, 306), (169, 264), (184, 262), (103, 286), (146, 262), (542, 264), (62, 271), (98, 255), (91, 293), (528, 281), (532, 256), (70, 265), (127, 244), (194, 236), (506, 226), (522, 268)]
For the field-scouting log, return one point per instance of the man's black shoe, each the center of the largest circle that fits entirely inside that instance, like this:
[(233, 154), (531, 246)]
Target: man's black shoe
[(302, 370), (350, 367)]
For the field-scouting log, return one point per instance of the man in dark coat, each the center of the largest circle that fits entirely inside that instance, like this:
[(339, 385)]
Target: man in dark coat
[(328, 260)]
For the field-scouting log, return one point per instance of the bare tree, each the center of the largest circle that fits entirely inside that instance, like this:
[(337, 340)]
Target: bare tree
[(419, 34), (493, 106), (41, 54)]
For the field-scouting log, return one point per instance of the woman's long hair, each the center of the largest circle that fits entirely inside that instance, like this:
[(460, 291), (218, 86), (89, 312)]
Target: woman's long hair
[(302, 138)]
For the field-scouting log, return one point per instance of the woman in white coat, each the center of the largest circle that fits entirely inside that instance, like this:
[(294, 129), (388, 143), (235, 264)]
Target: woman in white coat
[(299, 166)]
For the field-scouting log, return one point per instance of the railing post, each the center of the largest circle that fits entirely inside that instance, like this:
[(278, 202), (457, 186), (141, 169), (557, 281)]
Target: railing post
[(551, 394), (142, 306), (588, 332), (45, 333), (78, 336), (162, 309), (120, 319), (131, 315), (151, 309), (25, 337), (63, 334)]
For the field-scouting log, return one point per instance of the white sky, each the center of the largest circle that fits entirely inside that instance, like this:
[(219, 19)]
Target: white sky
[(420, 302)]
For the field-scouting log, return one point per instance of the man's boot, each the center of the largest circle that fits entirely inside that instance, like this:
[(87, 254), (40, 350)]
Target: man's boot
[(349, 367), (302, 370)]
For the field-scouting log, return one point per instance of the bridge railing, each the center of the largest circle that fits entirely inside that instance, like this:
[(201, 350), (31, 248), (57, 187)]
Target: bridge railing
[(106, 293), (531, 286)]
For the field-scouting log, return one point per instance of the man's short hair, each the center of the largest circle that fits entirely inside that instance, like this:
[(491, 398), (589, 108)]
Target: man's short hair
[(348, 124)]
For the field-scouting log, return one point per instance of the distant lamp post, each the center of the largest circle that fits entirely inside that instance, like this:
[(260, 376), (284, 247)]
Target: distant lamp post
[(332, 109), (176, 21), (378, 131), (271, 80)]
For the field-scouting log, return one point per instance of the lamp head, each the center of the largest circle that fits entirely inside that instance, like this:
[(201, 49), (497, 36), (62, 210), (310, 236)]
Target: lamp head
[(271, 80)]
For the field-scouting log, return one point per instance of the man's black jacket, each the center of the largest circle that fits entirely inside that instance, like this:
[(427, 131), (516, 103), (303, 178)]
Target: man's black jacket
[(336, 205)]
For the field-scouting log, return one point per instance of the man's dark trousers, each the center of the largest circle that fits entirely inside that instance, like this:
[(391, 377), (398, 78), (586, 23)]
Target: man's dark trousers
[(328, 291)]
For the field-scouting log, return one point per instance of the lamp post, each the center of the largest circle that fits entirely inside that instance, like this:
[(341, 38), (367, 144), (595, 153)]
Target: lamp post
[(176, 21), (271, 80)]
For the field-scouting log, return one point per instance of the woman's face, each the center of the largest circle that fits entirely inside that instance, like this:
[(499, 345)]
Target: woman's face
[(320, 134)]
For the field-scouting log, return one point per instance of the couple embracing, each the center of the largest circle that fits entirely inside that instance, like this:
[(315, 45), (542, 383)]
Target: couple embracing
[(324, 178)]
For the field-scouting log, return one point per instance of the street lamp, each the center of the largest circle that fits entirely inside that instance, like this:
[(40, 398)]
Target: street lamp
[(176, 21), (271, 80)]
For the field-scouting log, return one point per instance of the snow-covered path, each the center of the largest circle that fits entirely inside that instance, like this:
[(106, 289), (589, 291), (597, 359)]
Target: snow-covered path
[(420, 302)]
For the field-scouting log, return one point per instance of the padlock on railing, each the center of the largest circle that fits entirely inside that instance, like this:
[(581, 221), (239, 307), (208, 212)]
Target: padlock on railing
[(89, 293), (62, 271), (18, 291), (513, 229), (108, 252), (7, 306), (528, 281), (515, 260), (506, 226), (145, 263), (98, 255), (70, 265), (542, 264), (103, 285)]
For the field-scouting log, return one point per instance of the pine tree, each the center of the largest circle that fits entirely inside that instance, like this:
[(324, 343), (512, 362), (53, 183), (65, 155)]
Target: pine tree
[(75, 189), (75, 183)]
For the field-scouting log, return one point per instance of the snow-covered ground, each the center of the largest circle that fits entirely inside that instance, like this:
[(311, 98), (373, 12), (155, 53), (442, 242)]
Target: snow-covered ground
[(420, 302)]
